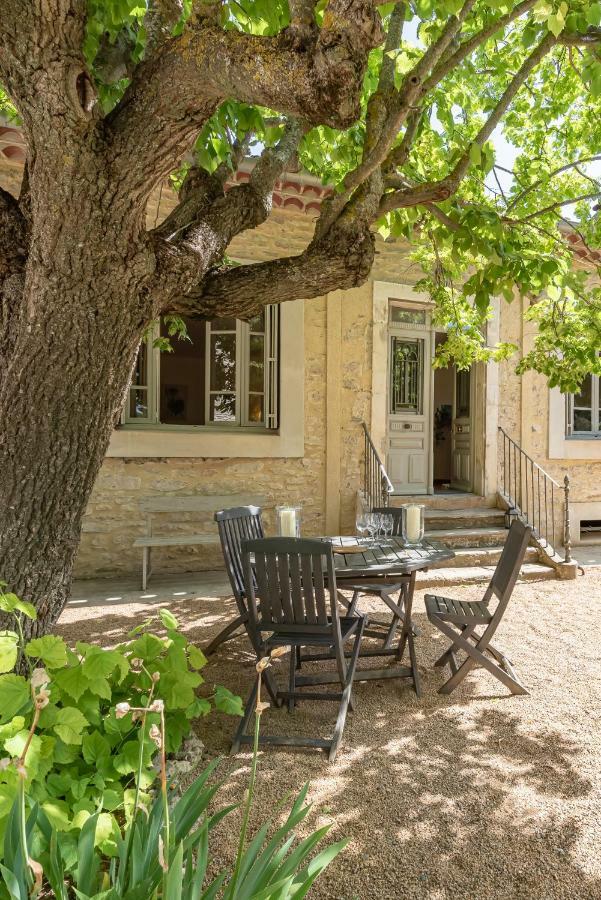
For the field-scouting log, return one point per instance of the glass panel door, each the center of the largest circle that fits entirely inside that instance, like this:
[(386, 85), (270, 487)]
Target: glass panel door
[(407, 375)]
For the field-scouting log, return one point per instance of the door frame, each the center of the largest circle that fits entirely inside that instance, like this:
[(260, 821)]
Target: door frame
[(484, 409)]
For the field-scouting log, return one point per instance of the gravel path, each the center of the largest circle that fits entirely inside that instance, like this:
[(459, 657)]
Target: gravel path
[(475, 796)]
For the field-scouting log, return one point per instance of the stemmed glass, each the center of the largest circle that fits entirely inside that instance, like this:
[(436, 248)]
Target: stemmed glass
[(387, 524), (373, 524), (361, 523)]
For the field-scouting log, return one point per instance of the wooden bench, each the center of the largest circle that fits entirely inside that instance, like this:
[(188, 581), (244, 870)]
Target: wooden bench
[(157, 506)]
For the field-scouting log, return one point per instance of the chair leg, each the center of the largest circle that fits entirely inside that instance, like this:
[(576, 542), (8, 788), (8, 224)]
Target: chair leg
[(292, 679), (467, 631), (248, 711), (226, 634), (345, 703), (475, 656), (146, 557)]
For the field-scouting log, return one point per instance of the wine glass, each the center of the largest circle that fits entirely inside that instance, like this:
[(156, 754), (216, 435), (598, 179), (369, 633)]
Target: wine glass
[(387, 524), (372, 524), (361, 524)]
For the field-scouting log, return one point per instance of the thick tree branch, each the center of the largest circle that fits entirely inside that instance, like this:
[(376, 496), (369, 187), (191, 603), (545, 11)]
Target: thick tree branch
[(535, 184), (446, 187), (467, 47), (207, 219), (589, 38), (391, 108), (174, 92), (559, 204), (340, 262), (161, 18)]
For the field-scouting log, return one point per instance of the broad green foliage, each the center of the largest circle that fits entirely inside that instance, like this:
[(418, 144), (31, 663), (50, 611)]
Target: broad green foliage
[(82, 813), (83, 756), (501, 234)]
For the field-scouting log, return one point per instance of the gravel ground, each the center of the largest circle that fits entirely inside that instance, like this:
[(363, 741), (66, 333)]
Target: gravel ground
[(478, 795)]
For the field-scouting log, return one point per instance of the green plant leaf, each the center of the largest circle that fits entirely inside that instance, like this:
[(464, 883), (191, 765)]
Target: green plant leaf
[(9, 647), (69, 725), (168, 619), (94, 747), (227, 702), (197, 658), (174, 880), (51, 649), (15, 695), (147, 647), (72, 681), (58, 814), (11, 603), (99, 663), (200, 707), (14, 746)]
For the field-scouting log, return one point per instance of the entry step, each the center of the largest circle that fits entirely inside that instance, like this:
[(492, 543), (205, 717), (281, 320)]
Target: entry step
[(487, 536), (454, 577)]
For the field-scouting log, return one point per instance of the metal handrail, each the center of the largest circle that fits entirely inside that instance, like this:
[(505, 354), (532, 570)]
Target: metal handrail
[(377, 486), (530, 493)]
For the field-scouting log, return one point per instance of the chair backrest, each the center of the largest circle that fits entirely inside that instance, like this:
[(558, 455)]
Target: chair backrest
[(508, 568), (397, 517), (291, 579), (236, 525)]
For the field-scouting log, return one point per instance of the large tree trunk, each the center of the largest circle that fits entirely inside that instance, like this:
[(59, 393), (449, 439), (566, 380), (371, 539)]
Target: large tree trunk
[(72, 342)]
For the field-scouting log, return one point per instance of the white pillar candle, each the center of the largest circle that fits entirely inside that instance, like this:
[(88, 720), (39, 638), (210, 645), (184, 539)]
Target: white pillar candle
[(288, 522), (413, 524)]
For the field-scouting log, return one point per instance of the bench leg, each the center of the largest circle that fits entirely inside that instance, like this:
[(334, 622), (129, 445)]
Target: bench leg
[(146, 570)]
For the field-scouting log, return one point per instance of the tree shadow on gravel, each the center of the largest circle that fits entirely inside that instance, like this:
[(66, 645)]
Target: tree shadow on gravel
[(468, 797)]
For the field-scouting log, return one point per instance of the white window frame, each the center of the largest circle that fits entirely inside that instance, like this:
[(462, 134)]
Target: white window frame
[(270, 421), (595, 431)]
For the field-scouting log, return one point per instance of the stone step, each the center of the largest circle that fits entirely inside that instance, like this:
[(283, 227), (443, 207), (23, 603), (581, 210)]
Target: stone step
[(463, 518), (457, 576), (451, 500), (481, 556), (485, 536)]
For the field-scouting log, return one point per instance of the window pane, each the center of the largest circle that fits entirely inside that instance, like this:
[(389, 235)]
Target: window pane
[(407, 316), (582, 420), (257, 323), (225, 324), (138, 404), (407, 375), (463, 392), (222, 407), (585, 397), (255, 408), (223, 362), (256, 373), (140, 375), (183, 378)]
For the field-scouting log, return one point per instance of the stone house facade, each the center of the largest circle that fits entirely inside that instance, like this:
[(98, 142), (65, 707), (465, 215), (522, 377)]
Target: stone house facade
[(272, 412)]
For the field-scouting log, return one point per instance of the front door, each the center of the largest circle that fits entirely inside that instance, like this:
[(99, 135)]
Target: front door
[(409, 402), (461, 435)]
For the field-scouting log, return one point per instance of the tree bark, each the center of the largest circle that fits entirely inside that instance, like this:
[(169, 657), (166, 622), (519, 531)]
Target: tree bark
[(74, 327)]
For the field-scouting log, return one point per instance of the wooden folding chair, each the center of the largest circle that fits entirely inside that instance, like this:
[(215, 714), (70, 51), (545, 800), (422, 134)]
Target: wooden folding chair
[(235, 525), (285, 582), (460, 620)]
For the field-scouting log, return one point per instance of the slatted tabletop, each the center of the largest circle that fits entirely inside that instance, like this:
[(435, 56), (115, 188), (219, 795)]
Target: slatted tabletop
[(386, 556)]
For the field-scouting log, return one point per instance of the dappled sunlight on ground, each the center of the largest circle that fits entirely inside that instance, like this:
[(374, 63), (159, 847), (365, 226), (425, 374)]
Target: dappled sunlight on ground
[(478, 795)]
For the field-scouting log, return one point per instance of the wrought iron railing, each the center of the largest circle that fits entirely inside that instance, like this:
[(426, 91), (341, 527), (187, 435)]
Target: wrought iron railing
[(377, 486), (534, 496)]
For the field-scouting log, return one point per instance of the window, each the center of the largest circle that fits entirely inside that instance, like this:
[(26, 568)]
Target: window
[(407, 358), (584, 414), (224, 374)]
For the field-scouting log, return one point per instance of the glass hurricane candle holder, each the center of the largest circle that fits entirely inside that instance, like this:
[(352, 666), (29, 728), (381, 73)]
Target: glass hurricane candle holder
[(288, 520), (412, 527)]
